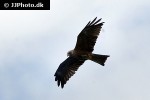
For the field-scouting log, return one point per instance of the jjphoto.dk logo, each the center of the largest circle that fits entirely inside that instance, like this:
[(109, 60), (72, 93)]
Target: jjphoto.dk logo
[(28, 5), (25, 5)]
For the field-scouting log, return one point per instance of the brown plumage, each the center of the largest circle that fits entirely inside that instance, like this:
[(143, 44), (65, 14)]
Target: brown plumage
[(82, 52)]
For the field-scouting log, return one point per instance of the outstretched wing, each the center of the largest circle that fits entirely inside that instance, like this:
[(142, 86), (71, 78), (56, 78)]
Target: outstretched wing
[(87, 37), (67, 69)]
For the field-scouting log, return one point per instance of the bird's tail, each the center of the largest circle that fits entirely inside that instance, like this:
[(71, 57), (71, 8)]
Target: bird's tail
[(100, 59)]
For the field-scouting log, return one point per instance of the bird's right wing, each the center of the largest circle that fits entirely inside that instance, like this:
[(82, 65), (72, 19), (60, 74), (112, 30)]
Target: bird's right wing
[(67, 69), (88, 36)]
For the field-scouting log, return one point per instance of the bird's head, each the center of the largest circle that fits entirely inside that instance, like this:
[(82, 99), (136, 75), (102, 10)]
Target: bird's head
[(70, 53)]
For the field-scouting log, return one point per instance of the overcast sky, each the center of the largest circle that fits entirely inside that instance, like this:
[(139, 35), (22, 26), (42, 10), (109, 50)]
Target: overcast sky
[(34, 43)]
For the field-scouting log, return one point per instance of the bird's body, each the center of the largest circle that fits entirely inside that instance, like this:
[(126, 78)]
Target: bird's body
[(82, 52)]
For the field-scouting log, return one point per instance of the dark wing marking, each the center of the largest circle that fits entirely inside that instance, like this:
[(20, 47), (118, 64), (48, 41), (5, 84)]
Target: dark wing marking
[(87, 37), (67, 69)]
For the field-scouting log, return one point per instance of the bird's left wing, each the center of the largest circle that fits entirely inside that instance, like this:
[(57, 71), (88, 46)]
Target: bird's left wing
[(67, 69)]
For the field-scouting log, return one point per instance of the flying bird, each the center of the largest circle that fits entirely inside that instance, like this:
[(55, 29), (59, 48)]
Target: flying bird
[(82, 52)]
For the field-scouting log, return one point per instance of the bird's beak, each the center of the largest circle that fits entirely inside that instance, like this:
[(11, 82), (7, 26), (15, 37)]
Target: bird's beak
[(68, 54)]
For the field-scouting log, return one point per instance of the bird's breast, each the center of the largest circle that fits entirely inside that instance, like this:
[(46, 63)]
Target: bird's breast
[(82, 54)]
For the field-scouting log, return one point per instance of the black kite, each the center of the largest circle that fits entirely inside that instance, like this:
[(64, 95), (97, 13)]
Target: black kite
[(82, 52)]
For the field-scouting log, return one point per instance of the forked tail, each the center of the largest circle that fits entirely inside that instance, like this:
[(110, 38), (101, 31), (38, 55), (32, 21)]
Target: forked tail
[(100, 59)]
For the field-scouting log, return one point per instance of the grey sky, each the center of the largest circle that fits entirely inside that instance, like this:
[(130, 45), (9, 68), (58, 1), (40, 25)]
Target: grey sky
[(34, 43)]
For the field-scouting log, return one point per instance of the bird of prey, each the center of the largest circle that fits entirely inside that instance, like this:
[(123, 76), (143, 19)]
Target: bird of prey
[(82, 52)]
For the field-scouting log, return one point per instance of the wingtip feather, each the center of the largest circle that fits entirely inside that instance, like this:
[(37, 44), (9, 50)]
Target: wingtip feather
[(94, 22)]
